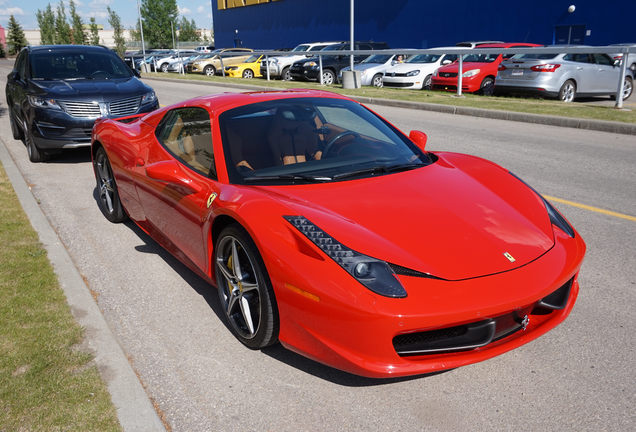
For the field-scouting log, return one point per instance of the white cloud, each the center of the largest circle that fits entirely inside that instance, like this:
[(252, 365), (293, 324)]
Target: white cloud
[(184, 11), (11, 11), (200, 9), (100, 3)]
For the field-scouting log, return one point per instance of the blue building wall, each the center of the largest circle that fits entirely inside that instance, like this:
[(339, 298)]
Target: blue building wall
[(421, 23)]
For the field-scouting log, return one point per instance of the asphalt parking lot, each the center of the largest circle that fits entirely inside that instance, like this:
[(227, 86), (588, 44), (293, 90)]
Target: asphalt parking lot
[(578, 377)]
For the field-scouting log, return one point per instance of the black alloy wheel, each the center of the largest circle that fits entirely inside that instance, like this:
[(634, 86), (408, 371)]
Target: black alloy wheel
[(244, 288), (108, 196)]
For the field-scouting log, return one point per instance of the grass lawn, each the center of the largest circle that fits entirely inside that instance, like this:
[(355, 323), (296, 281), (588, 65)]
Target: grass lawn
[(516, 104), (47, 381)]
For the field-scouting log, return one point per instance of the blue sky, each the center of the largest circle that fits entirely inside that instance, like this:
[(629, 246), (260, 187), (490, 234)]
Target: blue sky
[(24, 11)]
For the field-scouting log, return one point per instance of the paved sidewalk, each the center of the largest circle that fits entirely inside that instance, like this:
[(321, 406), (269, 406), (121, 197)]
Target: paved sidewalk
[(134, 409)]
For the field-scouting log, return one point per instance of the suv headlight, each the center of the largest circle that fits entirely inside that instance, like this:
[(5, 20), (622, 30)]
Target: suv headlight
[(374, 274), (42, 102), (470, 73), (149, 97), (413, 73)]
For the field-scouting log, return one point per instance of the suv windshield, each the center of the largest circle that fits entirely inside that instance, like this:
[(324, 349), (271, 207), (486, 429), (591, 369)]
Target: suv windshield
[(301, 140), (71, 65)]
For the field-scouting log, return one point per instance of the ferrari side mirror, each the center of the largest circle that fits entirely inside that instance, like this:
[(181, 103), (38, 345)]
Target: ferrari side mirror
[(419, 139)]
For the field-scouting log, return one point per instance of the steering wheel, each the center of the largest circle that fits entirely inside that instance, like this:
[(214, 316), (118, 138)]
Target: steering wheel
[(333, 140)]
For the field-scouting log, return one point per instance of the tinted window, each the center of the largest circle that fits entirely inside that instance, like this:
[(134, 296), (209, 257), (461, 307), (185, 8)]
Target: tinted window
[(534, 56), (424, 58), (579, 58), (603, 59), (21, 65), (77, 65), (187, 135)]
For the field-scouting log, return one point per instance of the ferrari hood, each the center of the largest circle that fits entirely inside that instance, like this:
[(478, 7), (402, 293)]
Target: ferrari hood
[(458, 218)]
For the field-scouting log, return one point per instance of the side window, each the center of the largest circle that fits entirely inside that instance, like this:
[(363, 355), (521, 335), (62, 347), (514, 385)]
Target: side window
[(21, 65), (579, 58), (187, 134), (603, 59)]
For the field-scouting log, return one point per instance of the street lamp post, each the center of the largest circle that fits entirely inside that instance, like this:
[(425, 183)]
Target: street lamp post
[(141, 29)]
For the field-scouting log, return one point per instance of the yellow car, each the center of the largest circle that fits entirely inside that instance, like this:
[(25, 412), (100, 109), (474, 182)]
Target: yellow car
[(250, 68)]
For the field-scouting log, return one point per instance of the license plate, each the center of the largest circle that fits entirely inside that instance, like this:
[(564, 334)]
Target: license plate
[(517, 73)]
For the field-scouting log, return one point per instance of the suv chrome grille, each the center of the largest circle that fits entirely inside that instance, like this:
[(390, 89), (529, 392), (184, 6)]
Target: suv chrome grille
[(92, 110), (88, 110), (125, 107)]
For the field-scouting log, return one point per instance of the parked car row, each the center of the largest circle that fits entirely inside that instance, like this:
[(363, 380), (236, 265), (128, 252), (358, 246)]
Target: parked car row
[(564, 76)]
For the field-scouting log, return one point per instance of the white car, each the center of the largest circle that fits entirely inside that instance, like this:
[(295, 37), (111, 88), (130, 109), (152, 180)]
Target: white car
[(373, 67), (164, 63), (279, 66), (416, 72)]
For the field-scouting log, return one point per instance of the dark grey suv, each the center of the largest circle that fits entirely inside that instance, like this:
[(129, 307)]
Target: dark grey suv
[(55, 93)]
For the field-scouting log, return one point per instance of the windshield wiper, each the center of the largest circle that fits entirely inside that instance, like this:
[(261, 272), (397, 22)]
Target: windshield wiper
[(290, 177), (380, 169)]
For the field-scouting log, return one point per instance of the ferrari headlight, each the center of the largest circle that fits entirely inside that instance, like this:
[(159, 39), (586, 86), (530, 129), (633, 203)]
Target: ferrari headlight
[(413, 73), (470, 73), (555, 217), (373, 273), (41, 102)]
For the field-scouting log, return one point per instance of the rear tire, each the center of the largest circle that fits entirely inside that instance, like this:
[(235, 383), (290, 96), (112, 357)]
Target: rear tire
[(286, 74), (108, 196), (567, 93), (628, 87), (164, 67)]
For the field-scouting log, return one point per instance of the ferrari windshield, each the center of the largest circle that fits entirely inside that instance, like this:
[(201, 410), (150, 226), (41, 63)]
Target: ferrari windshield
[(300, 140), (72, 65)]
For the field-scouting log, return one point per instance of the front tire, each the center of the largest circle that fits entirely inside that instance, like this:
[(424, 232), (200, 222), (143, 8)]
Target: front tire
[(328, 77), (164, 67), (487, 86), (108, 196), (209, 70), (567, 93), (244, 288), (376, 81), (427, 82), (33, 151), (628, 87), (286, 74), (248, 74)]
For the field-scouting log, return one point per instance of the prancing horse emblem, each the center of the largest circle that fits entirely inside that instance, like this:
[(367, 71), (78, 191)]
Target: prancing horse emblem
[(524, 322), (211, 198), (510, 257)]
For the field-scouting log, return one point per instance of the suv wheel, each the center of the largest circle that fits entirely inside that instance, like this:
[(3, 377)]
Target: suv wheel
[(35, 154), (209, 70)]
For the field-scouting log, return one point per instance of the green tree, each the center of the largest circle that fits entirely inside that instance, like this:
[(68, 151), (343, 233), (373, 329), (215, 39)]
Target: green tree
[(94, 37), (156, 16), (15, 36), (46, 22), (78, 36), (188, 30), (62, 29), (118, 32)]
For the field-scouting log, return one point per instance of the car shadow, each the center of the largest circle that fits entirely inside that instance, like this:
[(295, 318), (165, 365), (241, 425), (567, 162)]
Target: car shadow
[(277, 351), (71, 156)]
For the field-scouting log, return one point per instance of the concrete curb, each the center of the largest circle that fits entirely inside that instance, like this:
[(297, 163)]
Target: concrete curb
[(134, 409), (576, 123)]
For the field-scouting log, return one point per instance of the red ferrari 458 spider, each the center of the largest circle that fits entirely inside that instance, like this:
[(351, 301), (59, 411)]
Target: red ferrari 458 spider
[(326, 229)]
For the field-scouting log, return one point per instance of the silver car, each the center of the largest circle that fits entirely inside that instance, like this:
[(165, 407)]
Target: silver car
[(565, 76), (373, 67)]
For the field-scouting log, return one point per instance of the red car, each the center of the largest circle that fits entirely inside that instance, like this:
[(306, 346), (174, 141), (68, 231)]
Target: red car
[(326, 229), (479, 70)]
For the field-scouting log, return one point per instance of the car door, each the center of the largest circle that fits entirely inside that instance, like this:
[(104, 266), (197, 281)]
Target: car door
[(584, 72), (179, 184), (607, 75)]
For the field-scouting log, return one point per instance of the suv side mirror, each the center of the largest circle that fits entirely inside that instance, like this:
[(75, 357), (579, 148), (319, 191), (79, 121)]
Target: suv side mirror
[(419, 139)]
